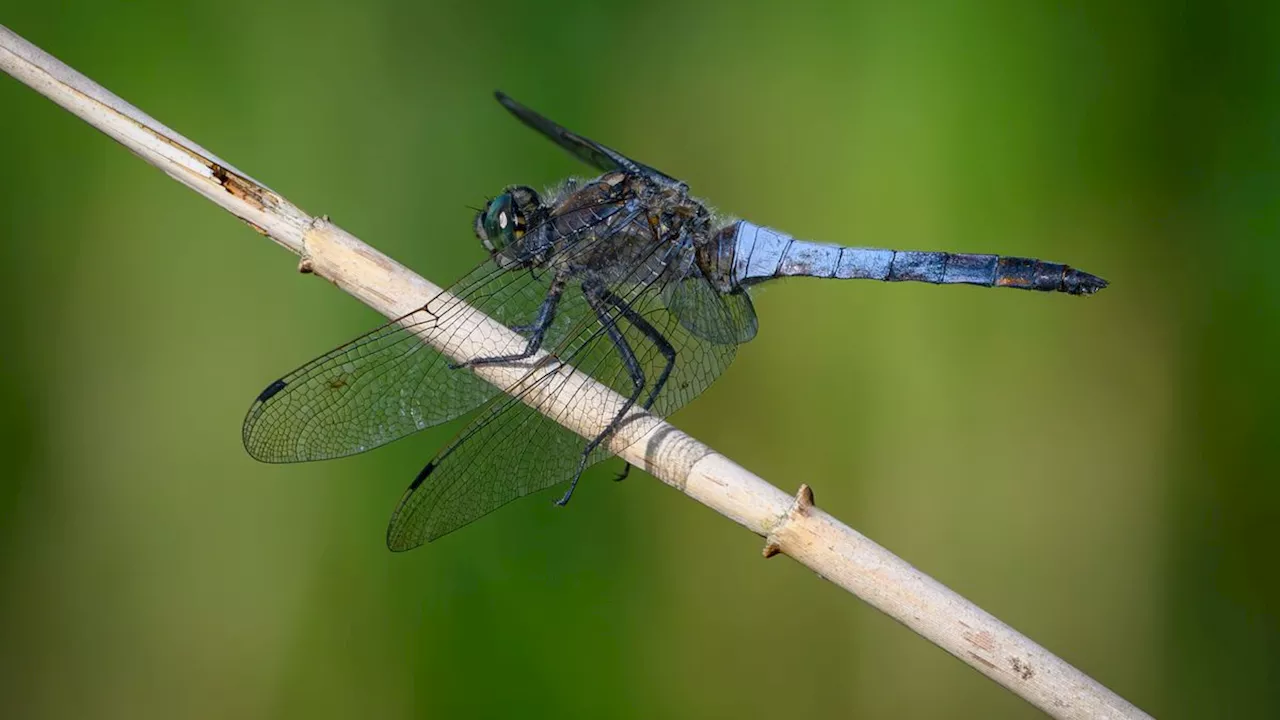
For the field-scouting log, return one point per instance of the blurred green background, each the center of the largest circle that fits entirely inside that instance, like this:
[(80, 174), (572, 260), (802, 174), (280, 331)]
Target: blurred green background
[(1098, 473)]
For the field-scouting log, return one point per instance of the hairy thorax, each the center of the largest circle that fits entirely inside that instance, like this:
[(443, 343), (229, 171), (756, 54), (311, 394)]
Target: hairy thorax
[(622, 228)]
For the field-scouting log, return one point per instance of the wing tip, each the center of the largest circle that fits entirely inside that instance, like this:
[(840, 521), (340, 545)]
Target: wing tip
[(505, 100), (260, 450), (398, 540), (395, 546)]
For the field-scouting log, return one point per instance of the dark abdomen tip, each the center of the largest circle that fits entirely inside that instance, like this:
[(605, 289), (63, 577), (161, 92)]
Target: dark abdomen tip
[(1079, 282), (1032, 274)]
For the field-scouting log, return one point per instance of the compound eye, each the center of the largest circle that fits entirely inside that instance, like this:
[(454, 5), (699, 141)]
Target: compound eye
[(500, 222)]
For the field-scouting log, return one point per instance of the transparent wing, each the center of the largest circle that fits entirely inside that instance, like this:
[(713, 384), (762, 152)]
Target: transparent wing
[(388, 383), (586, 150), (510, 450), (719, 318)]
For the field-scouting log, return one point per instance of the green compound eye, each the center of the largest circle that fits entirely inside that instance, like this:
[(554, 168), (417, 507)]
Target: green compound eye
[(505, 219), (499, 223)]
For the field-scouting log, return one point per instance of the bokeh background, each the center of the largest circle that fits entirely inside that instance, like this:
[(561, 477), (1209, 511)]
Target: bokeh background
[(1099, 473)]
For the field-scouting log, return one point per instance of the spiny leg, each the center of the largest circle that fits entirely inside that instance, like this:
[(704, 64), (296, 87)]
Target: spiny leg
[(655, 336), (650, 332), (664, 347), (546, 316), (637, 320), (594, 296)]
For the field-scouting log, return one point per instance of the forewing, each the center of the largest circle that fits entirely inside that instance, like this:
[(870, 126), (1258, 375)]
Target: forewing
[(511, 450), (388, 383), (586, 150)]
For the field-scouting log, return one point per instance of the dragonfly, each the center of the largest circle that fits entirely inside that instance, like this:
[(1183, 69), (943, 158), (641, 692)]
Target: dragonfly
[(625, 276)]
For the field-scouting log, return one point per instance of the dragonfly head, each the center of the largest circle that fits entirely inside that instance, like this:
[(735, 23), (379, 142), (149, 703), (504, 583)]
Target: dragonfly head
[(505, 219)]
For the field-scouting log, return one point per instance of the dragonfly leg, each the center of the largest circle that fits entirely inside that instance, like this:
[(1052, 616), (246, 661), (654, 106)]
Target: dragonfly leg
[(626, 470), (664, 346), (637, 374), (644, 326), (546, 315), (595, 298)]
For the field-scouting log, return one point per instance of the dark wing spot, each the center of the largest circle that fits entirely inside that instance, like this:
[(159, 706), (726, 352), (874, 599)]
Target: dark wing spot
[(422, 476), (271, 390)]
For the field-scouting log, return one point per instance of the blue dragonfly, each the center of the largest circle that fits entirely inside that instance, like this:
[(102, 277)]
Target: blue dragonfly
[(625, 276)]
